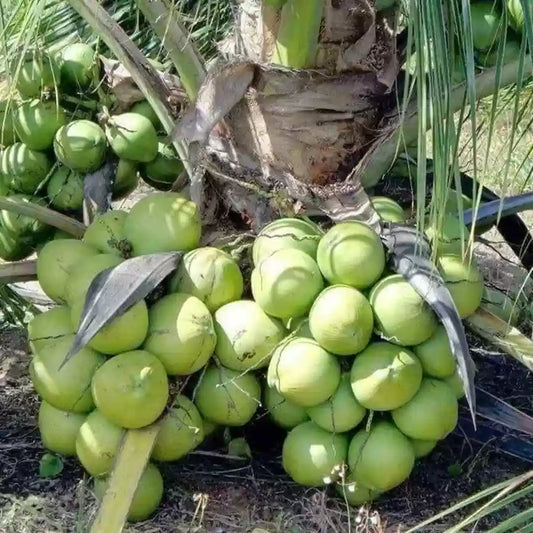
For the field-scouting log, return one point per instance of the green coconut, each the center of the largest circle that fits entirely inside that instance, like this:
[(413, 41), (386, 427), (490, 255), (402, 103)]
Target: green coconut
[(146, 110), (126, 179), (24, 168), (401, 316), (59, 428), (354, 493), (83, 273), (163, 222), (181, 432), (431, 414), (284, 413), (25, 226), (340, 413), (131, 389), (163, 171), (80, 67), (449, 236), (303, 372), (388, 209), (54, 263), (464, 281), (499, 303), (106, 234), (341, 320), (227, 397), (515, 11), (246, 335), (209, 427), (352, 254), (7, 124), (36, 123), (65, 189), (455, 383), (486, 24), (132, 137), (97, 444), (293, 233), (80, 145), (381, 458), (12, 246), (211, 275), (49, 327), (147, 495), (312, 456), (436, 355), (423, 447), (385, 376), (66, 388), (124, 333), (181, 333), (511, 52), (38, 71), (286, 283)]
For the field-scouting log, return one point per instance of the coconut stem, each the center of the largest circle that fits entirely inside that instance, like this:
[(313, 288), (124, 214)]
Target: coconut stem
[(18, 271), (43, 214), (298, 33)]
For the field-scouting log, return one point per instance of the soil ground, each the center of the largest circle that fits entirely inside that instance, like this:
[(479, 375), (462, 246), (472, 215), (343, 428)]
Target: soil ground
[(211, 493)]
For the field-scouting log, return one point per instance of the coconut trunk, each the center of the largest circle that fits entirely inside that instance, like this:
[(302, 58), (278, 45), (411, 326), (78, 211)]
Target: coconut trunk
[(289, 144)]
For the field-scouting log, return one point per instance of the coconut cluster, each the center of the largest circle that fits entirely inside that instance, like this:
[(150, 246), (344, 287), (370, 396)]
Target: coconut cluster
[(337, 349), (489, 27), (55, 131), (365, 382)]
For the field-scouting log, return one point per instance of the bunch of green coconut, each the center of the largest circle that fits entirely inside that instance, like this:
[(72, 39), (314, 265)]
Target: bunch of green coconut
[(488, 30), (55, 131), (337, 349)]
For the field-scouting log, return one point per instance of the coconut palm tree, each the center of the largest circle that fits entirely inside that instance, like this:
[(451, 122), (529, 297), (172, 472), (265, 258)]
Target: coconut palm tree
[(308, 104)]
